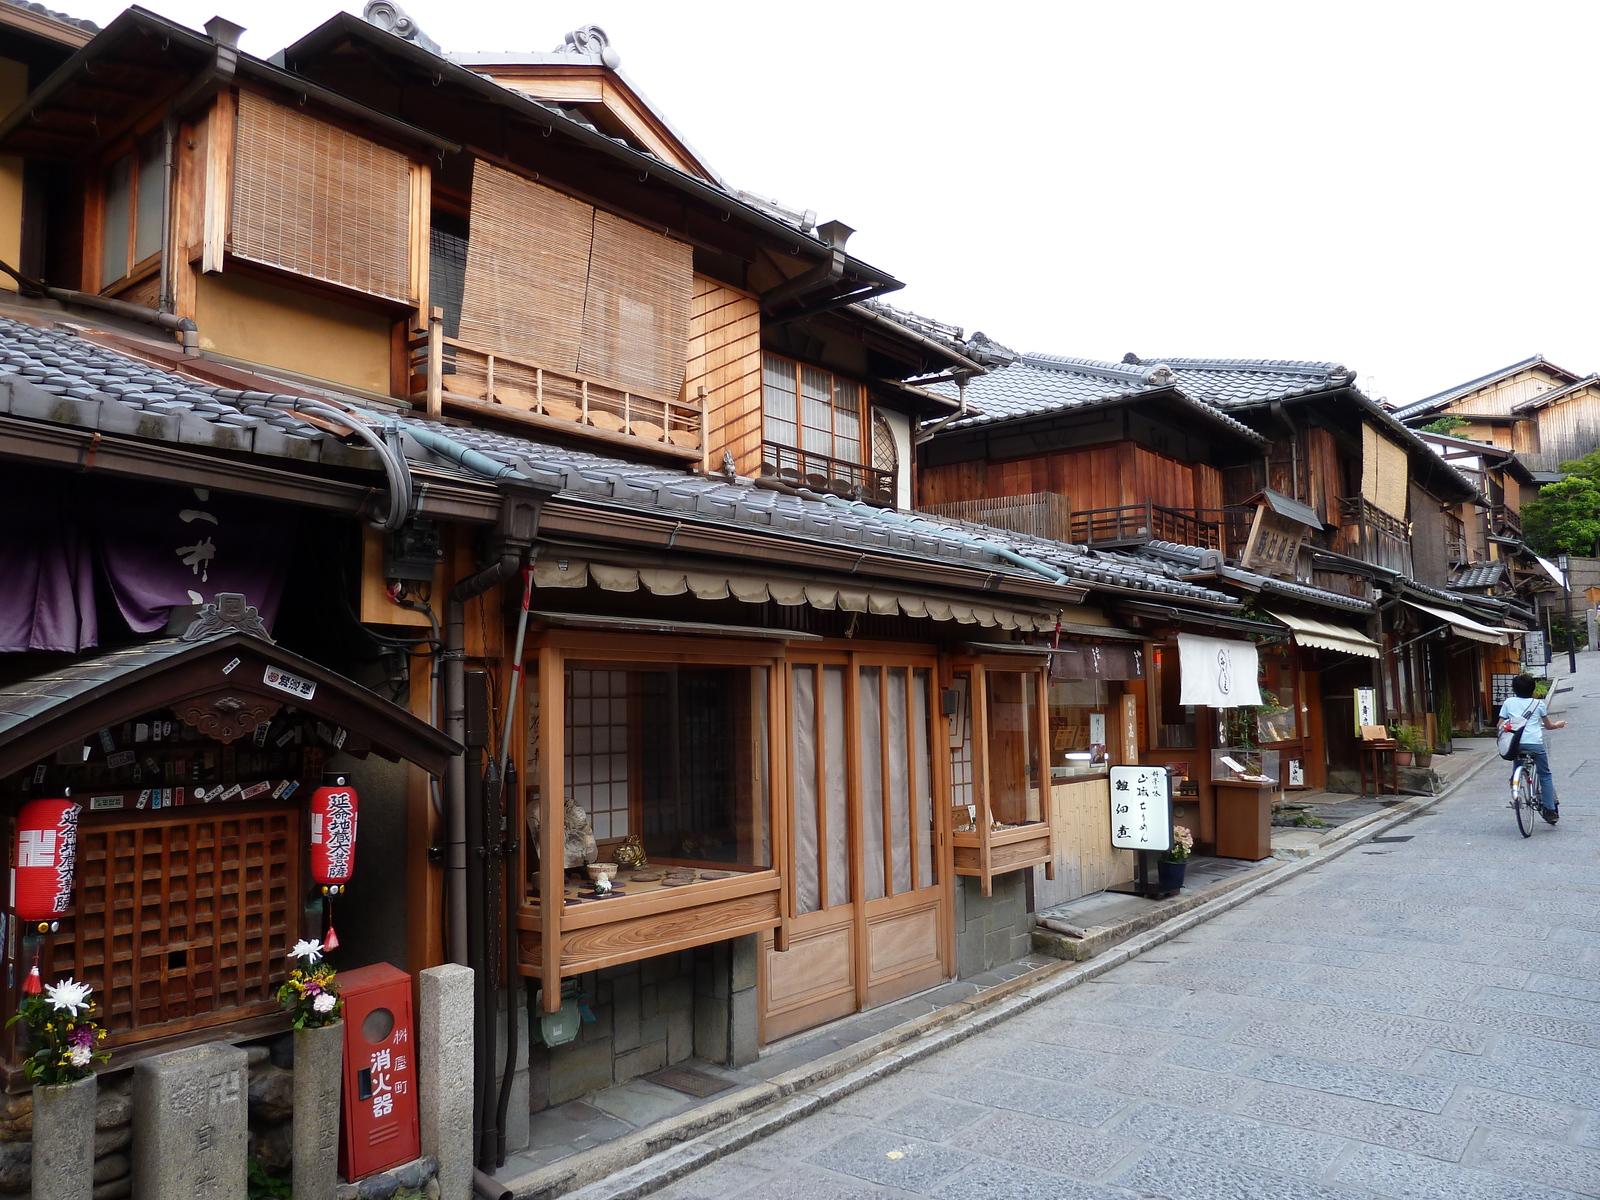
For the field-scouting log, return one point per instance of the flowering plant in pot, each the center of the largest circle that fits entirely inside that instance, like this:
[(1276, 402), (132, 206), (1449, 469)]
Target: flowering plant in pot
[(1175, 861), (311, 993), (63, 1038)]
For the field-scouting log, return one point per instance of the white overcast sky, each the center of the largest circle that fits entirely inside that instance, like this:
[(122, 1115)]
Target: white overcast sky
[(1405, 188)]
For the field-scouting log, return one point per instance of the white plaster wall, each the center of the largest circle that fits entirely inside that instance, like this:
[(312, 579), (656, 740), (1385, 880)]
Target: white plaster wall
[(900, 426)]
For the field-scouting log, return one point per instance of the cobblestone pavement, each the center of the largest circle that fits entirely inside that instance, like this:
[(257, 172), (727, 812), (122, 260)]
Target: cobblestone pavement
[(1417, 1019)]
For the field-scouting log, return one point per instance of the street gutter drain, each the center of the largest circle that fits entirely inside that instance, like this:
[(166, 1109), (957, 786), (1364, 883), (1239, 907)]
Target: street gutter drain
[(691, 1081), (1407, 838)]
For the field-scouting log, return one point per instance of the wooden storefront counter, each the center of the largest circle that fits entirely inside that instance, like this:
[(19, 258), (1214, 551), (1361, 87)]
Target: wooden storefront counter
[(626, 928), (1244, 819)]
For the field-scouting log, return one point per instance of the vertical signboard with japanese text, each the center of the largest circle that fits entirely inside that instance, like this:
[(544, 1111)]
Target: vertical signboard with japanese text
[(1141, 808)]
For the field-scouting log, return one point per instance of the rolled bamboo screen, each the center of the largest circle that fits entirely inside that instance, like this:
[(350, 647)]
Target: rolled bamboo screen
[(636, 311), (551, 280), (317, 201), (527, 263)]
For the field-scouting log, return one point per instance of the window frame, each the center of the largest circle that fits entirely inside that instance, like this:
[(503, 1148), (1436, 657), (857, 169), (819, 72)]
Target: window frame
[(131, 148)]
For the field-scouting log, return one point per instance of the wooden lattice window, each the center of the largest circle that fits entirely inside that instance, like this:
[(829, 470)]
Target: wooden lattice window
[(183, 921), (885, 454), (317, 201)]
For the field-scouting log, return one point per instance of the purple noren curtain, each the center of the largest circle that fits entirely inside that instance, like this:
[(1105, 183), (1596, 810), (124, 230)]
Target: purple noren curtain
[(46, 567)]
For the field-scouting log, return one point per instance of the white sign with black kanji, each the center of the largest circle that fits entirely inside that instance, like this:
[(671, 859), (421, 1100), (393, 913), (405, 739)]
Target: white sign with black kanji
[(1141, 808)]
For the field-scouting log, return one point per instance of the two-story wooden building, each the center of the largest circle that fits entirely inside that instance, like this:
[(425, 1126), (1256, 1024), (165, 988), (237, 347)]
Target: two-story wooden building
[(567, 492), (1279, 481)]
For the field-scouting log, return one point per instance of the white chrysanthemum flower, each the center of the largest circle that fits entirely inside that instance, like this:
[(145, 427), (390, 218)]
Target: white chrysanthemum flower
[(68, 996), (324, 1002), (80, 1056), (310, 951)]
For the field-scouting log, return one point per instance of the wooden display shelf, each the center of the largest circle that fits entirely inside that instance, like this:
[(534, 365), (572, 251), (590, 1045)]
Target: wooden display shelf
[(1012, 849), (626, 928)]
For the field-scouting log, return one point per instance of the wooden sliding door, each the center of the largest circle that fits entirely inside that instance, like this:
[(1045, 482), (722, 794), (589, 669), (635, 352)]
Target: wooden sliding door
[(868, 883)]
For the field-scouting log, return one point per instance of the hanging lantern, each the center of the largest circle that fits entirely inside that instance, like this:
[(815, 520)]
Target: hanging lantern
[(46, 851), (333, 835)]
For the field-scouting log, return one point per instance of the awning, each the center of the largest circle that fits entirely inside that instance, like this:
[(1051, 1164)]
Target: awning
[(1326, 636), (1554, 571), (556, 572), (1466, 627)]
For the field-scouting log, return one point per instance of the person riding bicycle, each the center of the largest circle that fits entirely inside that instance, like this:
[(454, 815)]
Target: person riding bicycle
[(1521, 706)]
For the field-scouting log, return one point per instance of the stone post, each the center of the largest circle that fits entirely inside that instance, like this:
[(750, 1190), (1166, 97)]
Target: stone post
[(318, 1072), (63, 1140), (191, 1124), (444, 1075)]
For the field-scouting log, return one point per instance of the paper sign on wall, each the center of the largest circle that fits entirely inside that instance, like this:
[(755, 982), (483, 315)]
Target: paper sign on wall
[(1141, 808)]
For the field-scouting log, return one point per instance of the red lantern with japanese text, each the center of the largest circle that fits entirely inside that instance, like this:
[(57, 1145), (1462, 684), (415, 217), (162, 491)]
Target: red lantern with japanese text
[(333, 835), (46, 852)]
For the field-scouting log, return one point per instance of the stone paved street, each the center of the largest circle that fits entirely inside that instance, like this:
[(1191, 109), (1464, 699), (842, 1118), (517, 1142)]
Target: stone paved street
[(1417, 1019)]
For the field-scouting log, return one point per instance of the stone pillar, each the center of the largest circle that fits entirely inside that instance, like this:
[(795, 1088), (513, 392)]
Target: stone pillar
[(63, 1140), (726, 1013), (318, 1070), (444, 1075), (191, 1124)]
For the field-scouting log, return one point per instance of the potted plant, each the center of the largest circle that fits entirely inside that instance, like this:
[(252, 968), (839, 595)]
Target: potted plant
[(311, 998), (64, 1047), (1407, 743), (1175, 861)]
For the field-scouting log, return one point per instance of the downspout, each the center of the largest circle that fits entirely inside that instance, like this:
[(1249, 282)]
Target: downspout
[(169, 173), (185, 328)]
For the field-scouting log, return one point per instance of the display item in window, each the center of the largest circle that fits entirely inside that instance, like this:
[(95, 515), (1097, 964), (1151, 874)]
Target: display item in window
[(580, 849)]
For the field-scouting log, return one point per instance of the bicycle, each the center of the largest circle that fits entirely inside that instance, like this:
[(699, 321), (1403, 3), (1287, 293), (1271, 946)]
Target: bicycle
[(1526, 796)]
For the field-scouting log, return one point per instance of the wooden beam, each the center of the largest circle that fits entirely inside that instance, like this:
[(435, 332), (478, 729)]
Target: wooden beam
[(552, 815)]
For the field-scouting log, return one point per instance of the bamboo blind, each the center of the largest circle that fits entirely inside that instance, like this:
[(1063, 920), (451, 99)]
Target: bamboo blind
[(317, 201), (636, 309), (527, 265), (1384, 472), (183, 922)]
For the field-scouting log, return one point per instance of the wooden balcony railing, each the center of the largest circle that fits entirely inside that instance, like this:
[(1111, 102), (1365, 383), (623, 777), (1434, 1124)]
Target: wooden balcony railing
[(1505, 521), (1225, 529), (1041, 514), (1368, 533), (445, 370), (805, 468)]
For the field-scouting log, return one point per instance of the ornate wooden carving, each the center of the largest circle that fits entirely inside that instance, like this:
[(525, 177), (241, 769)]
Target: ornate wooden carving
[(227, 715)]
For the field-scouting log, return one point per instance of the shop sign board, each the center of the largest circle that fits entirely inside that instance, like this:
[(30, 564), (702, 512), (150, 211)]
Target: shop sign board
[(1141, 808), (1274, 543), (1366, 709), (1535, 654)]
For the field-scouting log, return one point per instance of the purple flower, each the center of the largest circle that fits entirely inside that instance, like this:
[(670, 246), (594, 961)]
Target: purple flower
[(82, 1037)]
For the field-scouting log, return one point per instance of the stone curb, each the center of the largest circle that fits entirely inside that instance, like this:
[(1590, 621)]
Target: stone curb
[(633, 1167)]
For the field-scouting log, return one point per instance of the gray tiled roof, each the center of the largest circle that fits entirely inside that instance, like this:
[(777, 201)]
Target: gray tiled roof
[(64, 18), (53, 375), (1240, 382), (1045, 383), (1478, 575), (1428, 404), (610, 481), (1192, 556)]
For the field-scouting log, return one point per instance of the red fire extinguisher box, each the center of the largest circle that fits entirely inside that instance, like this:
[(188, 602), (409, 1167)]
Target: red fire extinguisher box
[(380, 1071)]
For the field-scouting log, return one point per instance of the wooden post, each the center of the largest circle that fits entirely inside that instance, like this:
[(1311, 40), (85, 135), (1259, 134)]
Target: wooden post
[(857, 822), (552, 827), (1045, 781), (979, 707), (780, 804), (435, 361), (488, 379)]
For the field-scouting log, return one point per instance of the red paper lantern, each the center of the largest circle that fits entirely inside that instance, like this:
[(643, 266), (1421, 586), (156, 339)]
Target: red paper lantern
[(46, 851), (333, 836)]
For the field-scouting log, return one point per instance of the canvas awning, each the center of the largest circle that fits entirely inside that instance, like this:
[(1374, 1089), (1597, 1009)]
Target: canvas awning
[(1326, 636), (1466, 627), (1552, 570), (552, 572)]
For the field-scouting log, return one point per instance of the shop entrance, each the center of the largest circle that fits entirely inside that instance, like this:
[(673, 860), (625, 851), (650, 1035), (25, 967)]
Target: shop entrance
[(868, 887)]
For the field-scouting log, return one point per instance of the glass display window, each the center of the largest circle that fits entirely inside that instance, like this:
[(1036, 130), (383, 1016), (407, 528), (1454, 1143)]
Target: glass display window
[(1081, 720), (1278, 718), (1245, 764), (1175, 723)]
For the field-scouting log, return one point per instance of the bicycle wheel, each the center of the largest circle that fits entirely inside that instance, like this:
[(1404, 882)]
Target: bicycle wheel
[(1525, 797)]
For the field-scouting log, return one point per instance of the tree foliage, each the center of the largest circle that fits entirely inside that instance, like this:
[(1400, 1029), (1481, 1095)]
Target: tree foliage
[(1565, 519), (1445, 425)]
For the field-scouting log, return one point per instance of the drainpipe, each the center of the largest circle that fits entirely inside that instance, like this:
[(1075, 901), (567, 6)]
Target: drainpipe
[(169, 174), (511, 551), (186, 329)]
